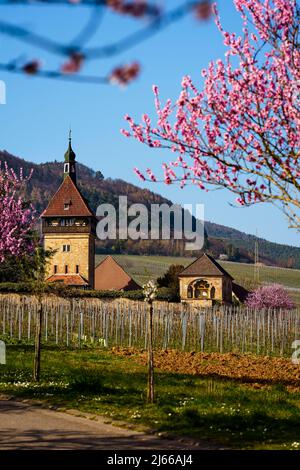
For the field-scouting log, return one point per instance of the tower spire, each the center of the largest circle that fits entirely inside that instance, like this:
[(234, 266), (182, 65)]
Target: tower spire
[(70, 164)]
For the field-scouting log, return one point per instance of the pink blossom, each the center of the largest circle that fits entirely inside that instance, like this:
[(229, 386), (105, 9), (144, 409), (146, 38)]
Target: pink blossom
[(242, 131), (273, 296), (124, 74), (31, 68), (16, 217), (73, 64), (126, 133), (139, 174)]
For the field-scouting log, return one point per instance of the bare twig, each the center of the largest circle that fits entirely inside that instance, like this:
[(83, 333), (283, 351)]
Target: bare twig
[(76, 51)]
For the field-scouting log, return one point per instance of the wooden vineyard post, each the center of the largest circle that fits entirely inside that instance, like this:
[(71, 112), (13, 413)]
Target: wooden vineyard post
[(150, 392), (42, 258), (38, 340), (150, 292)]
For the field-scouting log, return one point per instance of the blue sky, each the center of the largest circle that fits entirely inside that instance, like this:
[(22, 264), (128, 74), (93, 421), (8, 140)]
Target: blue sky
[(35, 121)]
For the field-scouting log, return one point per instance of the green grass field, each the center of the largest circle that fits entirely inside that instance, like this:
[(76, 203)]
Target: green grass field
[(227, 412), (142, 268)]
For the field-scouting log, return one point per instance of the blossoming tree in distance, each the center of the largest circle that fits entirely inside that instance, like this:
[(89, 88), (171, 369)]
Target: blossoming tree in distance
[(16, 217), (242, 130), (16, 230), (274, 296)]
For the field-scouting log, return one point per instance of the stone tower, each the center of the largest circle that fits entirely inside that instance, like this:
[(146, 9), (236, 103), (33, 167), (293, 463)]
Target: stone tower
[(69, 227)]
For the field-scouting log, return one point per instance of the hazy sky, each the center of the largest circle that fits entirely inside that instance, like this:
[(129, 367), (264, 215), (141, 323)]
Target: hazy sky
[(35, 121)]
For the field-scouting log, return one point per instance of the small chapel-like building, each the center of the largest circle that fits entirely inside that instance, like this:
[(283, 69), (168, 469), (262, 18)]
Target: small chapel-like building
[(69, 229), (205, 282)]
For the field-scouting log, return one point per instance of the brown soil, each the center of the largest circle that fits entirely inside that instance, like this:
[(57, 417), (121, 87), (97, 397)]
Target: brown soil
[(259, 371)]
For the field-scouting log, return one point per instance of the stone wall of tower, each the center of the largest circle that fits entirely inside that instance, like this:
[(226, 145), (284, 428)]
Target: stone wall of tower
[(92, 261), (82, 253)]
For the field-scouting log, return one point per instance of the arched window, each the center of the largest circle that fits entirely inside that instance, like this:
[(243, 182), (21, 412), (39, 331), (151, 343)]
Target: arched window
[(66, 169), (198, 289), (212, 292)]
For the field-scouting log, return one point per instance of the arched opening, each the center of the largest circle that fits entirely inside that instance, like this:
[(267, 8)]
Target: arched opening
[(199, 289), (190, 292)]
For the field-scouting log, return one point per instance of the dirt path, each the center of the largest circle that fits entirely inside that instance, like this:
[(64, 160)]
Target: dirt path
[(26, 426)]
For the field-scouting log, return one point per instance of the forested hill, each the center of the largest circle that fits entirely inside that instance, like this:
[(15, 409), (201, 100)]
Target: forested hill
[(279, 254), (239, 246)]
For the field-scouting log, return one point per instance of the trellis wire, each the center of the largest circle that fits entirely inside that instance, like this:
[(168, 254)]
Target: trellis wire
[(176, 326)]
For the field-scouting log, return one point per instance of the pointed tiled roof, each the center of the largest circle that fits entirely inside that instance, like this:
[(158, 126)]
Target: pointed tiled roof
[(205, 265), (67, 193), (68, 279), (109, 275)]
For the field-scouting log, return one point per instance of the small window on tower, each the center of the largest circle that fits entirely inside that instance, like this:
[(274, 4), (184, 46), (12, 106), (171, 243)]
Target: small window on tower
[(67, 168), (66, 248), (77, 269), (66, 269), (55, 269)]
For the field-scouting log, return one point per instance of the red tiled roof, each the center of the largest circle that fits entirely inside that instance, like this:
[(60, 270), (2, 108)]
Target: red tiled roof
[(67, 193), (205, 265), (109, 275), (68, 279)]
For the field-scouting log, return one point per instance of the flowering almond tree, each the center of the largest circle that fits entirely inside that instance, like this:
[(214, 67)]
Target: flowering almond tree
[(242, 130), (273, 296), (16, 217)]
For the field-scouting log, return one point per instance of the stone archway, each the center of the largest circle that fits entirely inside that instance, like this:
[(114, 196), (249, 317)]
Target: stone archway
[(198, 289)]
